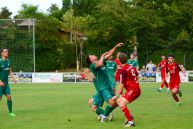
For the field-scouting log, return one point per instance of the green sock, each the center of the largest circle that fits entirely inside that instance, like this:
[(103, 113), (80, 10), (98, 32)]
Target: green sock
[(108, 110), (99, 111), (9, 105)]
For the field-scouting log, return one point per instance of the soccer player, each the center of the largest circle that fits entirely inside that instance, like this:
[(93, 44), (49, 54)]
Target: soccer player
[(162, 68), (96, 100), (5, 71), (102, 83), (174, 69), (129, 81), (111, 68), (133, 62)]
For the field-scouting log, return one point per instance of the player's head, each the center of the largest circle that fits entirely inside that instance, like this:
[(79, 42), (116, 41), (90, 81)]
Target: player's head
[(123, 58), (4, 52), (171, 58), (118, 55), (90, 59), (163, 57), (110, 58), (132, 56)]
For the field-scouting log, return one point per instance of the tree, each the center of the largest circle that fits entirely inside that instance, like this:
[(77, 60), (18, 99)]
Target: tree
[(5, 13)]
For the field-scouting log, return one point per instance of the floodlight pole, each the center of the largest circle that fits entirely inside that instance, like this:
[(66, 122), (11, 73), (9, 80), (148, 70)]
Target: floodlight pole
[(34, 47)]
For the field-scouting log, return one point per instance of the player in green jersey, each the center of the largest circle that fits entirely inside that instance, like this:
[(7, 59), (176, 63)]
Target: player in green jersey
[(102, 83), (96, 100), (5, 71), (111, 68), (133, 62)]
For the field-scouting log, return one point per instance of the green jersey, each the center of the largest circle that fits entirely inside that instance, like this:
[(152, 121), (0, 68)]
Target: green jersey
[(133, 63), (111, 67), (101, 80), (4, 70)]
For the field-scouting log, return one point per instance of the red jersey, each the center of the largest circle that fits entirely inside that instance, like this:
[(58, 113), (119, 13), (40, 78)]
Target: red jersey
[(162, 65), (129, 77), (174, 71), (118, 71)]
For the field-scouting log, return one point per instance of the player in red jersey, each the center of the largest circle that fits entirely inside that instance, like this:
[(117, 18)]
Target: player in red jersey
[(162, 68), (128, 80), (174, 69), (117, 73)]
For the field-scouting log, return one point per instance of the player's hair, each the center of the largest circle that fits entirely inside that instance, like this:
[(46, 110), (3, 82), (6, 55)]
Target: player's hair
[(170, 55), (123, 58), (88, 62), (3, 48)]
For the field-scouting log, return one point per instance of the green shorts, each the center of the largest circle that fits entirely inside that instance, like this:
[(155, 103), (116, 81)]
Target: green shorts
[(107, 94), (5, 90), (98, 100)]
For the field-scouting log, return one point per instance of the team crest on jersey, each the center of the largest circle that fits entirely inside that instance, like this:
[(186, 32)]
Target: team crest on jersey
[(174, 67)]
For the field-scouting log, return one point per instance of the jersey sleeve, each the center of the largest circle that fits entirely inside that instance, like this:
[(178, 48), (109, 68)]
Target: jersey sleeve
[(137, 64), (92, 67), (123, 76), (9, 63)]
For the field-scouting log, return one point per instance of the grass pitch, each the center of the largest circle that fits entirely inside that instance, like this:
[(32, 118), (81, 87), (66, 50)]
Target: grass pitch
[(64, 106)]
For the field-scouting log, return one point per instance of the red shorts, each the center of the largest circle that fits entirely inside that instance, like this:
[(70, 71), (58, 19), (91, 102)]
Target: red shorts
[(131, 95), (174, 84)]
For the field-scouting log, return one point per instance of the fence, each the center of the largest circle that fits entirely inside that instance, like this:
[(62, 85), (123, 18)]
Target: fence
[(80, 77)]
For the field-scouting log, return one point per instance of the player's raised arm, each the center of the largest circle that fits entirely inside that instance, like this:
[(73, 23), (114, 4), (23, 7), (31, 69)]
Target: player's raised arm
[(183, 69), (100, 62), (113, 50)]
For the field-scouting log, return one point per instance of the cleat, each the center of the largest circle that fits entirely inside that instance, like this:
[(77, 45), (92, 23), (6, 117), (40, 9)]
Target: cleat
[(103, 118), (110, 117), (11, 114), (179, 103), (99, 118), (168, 90), (125, 122), (159, 90), (129, 124), (180, 93)]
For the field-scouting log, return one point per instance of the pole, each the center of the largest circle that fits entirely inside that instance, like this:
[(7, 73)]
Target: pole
[(34, 49), (70, 23)]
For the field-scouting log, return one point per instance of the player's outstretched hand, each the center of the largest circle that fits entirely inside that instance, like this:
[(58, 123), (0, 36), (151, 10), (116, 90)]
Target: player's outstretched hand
[(104, 54), (119, 44), (2, 84)]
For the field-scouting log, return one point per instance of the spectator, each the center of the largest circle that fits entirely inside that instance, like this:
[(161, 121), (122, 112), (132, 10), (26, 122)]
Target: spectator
[(150, 69), (150, 66), (143, 71), (133, 62)]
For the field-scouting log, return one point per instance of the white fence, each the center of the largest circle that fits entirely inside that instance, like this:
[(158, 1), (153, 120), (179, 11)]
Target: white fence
[(80, 77)]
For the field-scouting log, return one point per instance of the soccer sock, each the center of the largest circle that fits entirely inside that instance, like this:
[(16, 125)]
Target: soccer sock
[(127, 113), (175, 97), (9, 105), (166, 84), (99, 111), (162, 85), (108, 110)]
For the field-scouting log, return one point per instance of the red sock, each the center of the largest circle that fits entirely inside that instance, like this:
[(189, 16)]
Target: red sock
[(127, 113), (166, 84), (175, 97), (162, 85)]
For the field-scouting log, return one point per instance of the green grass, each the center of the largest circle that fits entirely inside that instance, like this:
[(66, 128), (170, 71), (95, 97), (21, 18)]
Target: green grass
[(51, 106)]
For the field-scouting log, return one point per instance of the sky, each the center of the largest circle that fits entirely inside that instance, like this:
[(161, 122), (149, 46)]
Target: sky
[(15, 5)]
